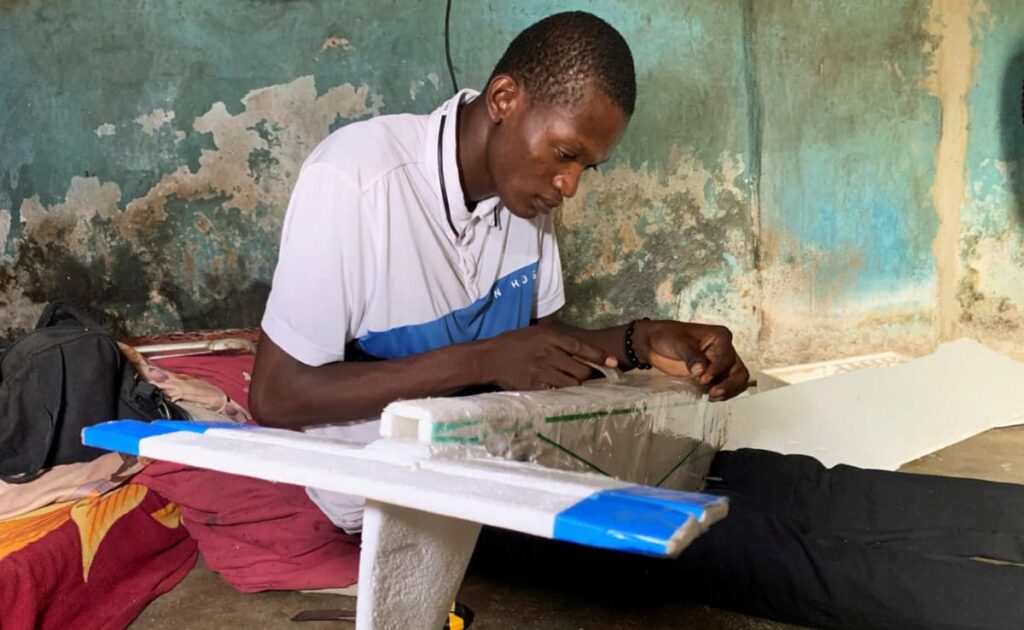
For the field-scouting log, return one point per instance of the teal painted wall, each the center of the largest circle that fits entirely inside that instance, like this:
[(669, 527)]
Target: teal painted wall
[(848, 144), (777, 177)]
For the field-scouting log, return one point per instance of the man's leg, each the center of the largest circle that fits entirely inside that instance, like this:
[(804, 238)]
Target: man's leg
[(758, 563), (936, 515), (782, 553)]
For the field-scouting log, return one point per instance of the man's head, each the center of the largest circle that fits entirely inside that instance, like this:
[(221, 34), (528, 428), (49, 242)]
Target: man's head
[(559, 100)]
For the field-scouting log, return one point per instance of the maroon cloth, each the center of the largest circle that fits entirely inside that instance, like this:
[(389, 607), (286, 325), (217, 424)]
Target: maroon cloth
[(256, 534), (42, 585)]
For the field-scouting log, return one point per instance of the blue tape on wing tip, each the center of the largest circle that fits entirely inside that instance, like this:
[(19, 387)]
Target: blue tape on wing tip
[(124, 436), (692, 503), (636, 519)]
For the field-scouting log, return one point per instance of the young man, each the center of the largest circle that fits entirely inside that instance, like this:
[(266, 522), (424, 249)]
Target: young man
[(418, 258), (418, 255)]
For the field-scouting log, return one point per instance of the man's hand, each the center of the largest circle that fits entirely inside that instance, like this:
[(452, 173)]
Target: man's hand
[(539, 357), (699, 351)]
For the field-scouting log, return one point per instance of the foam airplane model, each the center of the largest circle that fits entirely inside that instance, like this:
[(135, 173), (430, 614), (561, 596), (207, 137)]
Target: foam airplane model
[(446, 466)]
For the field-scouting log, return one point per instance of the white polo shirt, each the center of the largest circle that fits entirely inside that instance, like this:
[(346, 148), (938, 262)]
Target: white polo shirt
[(370, 254)]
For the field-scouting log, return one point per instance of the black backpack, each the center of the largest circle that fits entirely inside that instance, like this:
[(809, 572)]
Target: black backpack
[(65, 375)]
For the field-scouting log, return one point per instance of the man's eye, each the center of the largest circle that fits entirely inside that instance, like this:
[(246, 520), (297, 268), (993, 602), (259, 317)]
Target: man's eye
[(565, 156)]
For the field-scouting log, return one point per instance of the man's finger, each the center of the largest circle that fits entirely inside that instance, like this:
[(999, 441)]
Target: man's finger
[(573, 368), (556, 378), (733, 385), (579, 348), (693, 357), (721, 358)]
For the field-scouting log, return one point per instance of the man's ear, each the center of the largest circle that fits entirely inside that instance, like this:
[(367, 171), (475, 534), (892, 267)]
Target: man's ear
[(504, 96)]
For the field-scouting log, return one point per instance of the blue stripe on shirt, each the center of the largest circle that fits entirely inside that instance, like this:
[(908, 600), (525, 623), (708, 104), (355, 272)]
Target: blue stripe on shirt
[(507, 306)]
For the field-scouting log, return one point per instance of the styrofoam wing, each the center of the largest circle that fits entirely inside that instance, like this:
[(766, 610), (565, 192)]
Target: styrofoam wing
[(572, 507)]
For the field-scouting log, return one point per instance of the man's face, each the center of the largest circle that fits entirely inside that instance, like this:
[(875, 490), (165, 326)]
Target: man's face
[(539, 152)]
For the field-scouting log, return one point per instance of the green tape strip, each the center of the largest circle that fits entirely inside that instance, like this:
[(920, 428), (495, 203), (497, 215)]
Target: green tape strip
[(573, 455), (444, 427), (683, 461), (592, 414), (453, 439)]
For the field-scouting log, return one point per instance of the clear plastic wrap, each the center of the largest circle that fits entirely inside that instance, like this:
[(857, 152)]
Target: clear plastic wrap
[(645, 428)]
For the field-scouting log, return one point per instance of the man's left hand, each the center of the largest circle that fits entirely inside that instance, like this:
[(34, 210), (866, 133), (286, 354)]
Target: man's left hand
[(699, 351)]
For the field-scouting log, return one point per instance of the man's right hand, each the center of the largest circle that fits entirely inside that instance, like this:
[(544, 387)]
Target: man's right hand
[(539, 357)]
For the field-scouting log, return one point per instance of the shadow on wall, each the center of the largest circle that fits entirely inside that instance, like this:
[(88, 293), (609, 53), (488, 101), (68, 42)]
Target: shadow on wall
[(115, 288), (1011, 126), (236, 308)]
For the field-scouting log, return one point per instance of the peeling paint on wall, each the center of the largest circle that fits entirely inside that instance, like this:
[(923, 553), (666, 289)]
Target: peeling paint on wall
[(70, 222), (193, 239), (155, 119), (278, 128), (5, 230), (106, 129), (336, 42)]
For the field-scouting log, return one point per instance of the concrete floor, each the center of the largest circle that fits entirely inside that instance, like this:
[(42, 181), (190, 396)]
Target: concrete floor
[(512, 600)]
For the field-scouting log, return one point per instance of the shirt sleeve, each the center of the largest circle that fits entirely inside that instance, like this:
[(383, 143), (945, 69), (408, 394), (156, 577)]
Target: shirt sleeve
[(550, 288), (320, 287)]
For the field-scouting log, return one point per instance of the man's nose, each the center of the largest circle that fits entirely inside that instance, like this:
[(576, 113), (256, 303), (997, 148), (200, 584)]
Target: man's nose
[(568, 182)]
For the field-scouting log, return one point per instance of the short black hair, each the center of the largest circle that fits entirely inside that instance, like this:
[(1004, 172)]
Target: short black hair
[(558, 58)]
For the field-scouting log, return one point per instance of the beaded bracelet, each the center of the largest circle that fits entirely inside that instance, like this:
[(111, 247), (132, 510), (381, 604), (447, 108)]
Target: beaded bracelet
[(630, 352)]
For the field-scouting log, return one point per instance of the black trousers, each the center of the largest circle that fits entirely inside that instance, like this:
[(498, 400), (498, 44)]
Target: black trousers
[(853, 548), (829, 548)]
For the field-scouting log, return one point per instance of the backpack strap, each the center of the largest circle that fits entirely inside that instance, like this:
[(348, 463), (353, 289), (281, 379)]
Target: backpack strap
[(62, 313)]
